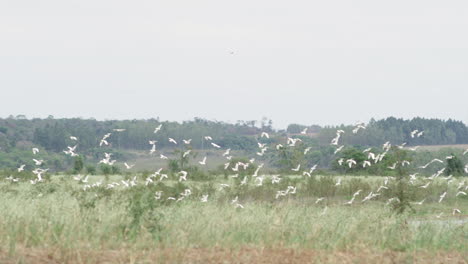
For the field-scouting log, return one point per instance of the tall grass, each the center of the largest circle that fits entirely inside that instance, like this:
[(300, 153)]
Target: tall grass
[(60, 214)]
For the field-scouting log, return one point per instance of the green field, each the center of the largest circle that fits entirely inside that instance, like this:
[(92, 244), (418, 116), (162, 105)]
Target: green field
[(58, 222)]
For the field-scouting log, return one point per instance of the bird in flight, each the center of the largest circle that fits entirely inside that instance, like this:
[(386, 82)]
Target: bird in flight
[(21, 168), (297, 168), (128, 166), (157, 129), (203, 162)]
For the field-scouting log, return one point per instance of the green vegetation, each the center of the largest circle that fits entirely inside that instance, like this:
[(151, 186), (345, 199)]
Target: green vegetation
[(59, 214)]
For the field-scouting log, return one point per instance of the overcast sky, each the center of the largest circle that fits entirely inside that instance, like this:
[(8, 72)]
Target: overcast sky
[(308, 62)]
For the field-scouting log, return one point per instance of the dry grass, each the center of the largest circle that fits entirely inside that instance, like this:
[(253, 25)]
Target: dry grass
[(226, 255)]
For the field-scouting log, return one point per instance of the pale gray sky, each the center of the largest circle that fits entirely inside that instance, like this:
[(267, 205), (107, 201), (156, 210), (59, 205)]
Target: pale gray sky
[(308, 62)]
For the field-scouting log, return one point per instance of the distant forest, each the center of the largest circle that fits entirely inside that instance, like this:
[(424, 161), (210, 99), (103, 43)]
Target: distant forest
[(54, 134), (19, 134)]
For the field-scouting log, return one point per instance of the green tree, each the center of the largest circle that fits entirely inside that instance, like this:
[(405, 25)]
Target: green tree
[(78, 164), (454, 166)]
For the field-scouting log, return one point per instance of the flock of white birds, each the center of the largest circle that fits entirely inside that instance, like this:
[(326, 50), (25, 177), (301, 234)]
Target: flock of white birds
[(256, 178)]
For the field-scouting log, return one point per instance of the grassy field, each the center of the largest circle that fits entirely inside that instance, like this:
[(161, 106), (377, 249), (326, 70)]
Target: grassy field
[(58, 222)]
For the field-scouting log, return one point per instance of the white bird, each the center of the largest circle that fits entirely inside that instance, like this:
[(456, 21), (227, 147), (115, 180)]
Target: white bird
[(128, 166), (421, 202), (103, 142), (414, 148), (238, 205), (222, 186), (307, 150), (313, 168), (73, 138), (297, 168), (466, 151), (186, 153), (161, 156), (163, 176), (420, 134), (338, 149), (265, 134), (183, 176), (106, 136), (460, 193), (366, 163), (351, 162), (226, 152), (119, 129), (204, 198), (85, 180), (455, 210), (153, 149), (366, 150), (304, 131), (338, 182), (157, 129), (382, 187), (335, 140), (244, 181), (360, 126), (215, 145), (35, 150), (158, 195), (21, 168), (430, 162), (235, 200), (172, 141), (393, 166), (262, 151), (203, 162), (187, 141), (442, 196), (340, 161), (292, 141), (279, 146), (280, 193), (208, 138), (357, 193), (275, 179), (350, 201), (319, 199), (425, 186), (38, 162), (413, 133)]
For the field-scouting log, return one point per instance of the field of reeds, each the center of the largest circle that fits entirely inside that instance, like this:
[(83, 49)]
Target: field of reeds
[(63, 221)]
